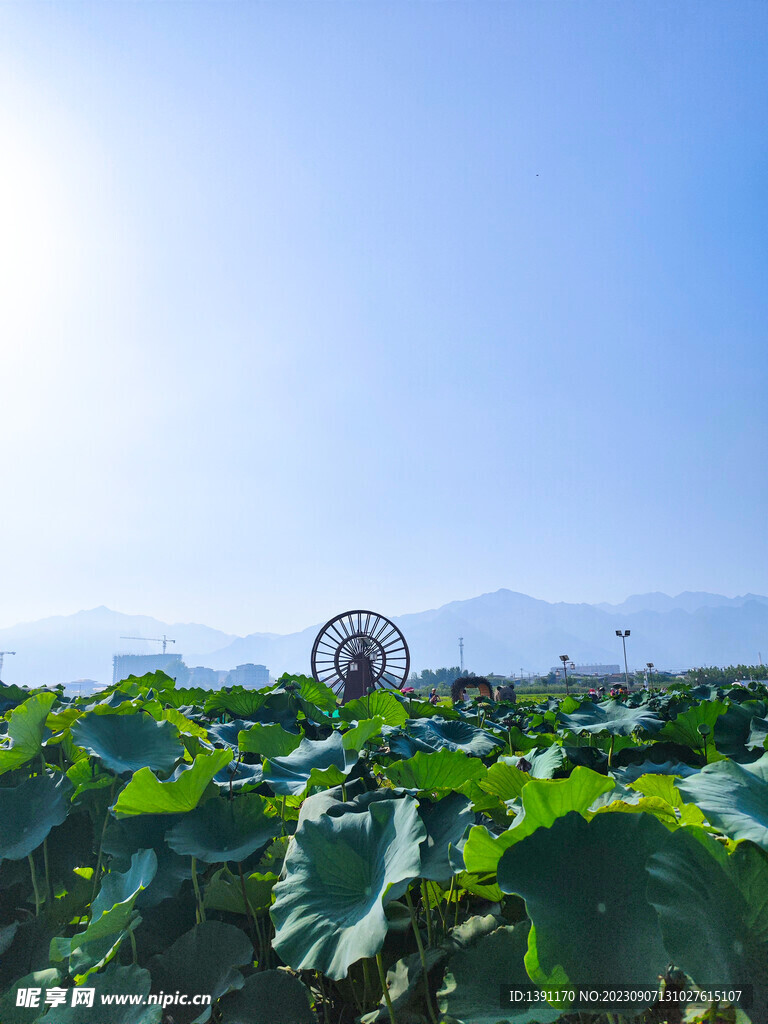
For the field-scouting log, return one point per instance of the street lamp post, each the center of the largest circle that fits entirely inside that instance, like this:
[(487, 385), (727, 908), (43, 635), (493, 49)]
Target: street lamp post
[(564, 659), (650, 666), (624, 634)]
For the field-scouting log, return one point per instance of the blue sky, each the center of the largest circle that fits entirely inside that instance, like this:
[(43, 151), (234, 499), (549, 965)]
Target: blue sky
[(327, 305)]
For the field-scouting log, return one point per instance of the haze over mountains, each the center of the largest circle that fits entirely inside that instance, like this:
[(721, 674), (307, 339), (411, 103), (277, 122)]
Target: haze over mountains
[(503, 632)]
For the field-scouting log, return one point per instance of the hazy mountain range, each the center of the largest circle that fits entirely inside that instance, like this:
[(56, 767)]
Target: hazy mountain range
[(503, 632)]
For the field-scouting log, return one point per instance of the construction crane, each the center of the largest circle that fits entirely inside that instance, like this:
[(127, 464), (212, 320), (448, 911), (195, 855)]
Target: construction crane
[(164, 640), (2, 655)]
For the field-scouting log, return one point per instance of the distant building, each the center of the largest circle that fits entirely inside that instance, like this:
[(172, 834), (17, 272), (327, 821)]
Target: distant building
[(589, 670), (124, 665), (252, 676), (208, 678)]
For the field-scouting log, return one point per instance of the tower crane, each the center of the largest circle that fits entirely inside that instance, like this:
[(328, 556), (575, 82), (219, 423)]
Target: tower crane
[(2, 655), (164, 640)]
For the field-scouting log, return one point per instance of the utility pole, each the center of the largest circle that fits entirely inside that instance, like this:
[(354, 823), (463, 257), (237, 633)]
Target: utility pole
[(624, 634), (461, 655), (564, 659)]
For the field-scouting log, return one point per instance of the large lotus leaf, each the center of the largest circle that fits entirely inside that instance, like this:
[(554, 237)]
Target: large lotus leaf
[(268, 740), (125, 743), (758, 734), (11, 696), (616, 719), (147, 832), (339, 873), (223, 830), (269, 997), (26, 731), (632, 772), (734, 798), (356, 737), (583, 883), (733, 728), (504, 780), (664, 788), (29, 811), (473, 978), (289, 776), (225, 892), (227, 734), (146, 794), (684, 728), (445, 822), (444, 735), (112, 915), (541, 763), (403, 745), (184, 724), (203, 961), (386, 705), (237, 776), (713, 930), (316, 693), (442, 770), (258, 706), (10, 1013), (114, 982)]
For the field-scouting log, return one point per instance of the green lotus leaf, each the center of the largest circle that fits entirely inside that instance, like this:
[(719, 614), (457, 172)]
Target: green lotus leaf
[(316, 693), (112, 916), (84, 776), (713, 929), (685, 728), (578, 911), (186, 696), (405, 979), (733, 728), (615, 719), (445, 822), (26, 731), (339, 873), (664, 788), (758, 734), (146, 794), (225, 892), (183, 724), (265, 706), (440, 734), (356, 737), (125, 743), (289, 776), (441, 770), (203, 961), (632, 772), (10, 1013), (504, 780), (127, 836), (115, 981), (268, 740), (734, 798), (29, 811), (473, 977), (544, 762), (222, 830), (386, 705), (269, 997)]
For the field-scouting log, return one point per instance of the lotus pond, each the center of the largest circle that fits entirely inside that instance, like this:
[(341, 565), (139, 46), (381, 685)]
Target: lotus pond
[(384, 861)]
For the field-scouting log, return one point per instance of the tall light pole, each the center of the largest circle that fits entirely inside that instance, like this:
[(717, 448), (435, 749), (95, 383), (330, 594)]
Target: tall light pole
[(650, 666), (461, 655), (564, 659), (624, 634)]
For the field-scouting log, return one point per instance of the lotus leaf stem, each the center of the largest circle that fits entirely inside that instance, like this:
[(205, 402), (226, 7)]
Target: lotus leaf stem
[(48, 889), (196, 887), (384, 989), (97, 872), (422, 955), (133, 946), (367, 986), (610, 752), (34, 883), (427, 911)]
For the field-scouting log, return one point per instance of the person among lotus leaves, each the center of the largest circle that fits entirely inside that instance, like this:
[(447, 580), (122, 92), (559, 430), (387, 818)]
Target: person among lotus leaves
[(433, 697)]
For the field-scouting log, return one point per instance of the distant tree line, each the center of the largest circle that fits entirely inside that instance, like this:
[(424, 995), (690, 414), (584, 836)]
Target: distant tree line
[(728, 674)]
